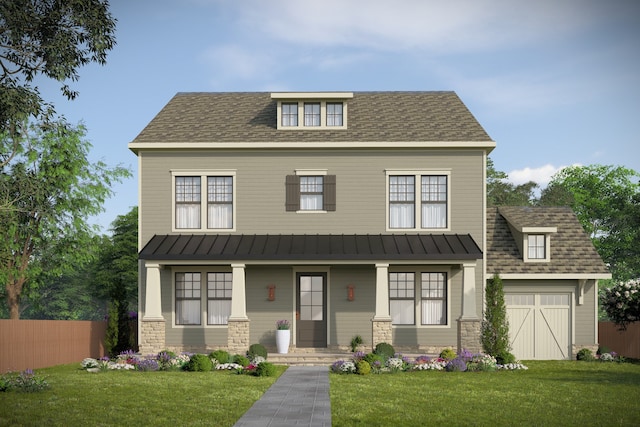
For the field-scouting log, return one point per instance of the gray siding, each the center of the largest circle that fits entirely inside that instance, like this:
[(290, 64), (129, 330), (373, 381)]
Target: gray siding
[(361, 189)]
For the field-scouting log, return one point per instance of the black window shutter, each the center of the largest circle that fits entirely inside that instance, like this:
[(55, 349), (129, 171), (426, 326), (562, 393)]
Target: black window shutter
[(330, 193), (292, 187)]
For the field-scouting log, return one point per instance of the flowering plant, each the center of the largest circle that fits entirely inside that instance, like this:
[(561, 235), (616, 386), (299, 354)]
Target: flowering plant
[(622, 303), (283, 324)]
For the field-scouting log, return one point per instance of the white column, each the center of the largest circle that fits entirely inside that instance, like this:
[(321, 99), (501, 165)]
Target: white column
[(469, 292), (382, 292), (238, 294), (153, 299)]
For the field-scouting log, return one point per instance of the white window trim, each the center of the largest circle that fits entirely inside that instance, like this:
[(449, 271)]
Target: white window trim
[(203, 174), (547, 248), (323, 114), (417, 295), (418, 197), (203, 295)]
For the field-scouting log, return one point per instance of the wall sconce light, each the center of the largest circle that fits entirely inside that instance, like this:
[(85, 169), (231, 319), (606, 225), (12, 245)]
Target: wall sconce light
[(272, 292), (350, 293)]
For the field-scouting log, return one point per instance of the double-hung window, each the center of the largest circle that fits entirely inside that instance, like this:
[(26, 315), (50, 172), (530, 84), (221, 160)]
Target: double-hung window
[(310, 191), (218, 298), (312, 114), (536, 246), (402, 298), (434, 298), (216, 188), (432, 192), (188, 309)]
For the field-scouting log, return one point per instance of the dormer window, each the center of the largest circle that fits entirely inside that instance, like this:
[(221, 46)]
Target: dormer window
[(536, 246), (312, 110)]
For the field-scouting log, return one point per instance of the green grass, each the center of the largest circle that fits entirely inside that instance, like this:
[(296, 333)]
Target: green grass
[(79, 398), (548, 394)]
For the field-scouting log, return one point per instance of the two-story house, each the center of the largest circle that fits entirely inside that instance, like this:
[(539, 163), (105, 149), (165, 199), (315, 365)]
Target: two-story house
[(345, 213)]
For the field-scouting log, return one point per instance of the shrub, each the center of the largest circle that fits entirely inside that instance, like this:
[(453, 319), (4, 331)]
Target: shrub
[(169, 353), (198, 363), (111, 336), (256, 350), (505, 358), (148, 365), (363, 367), (385, 350), (220, 355), (603, 349), (26, 381), (456, 365), (585, 354), (343, 367), (265, 369), (241, 360), (482, 362), (495, 326), (448, 354), (355, 342)]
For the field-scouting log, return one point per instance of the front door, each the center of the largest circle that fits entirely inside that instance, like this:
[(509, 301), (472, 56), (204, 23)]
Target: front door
[(311, 310)]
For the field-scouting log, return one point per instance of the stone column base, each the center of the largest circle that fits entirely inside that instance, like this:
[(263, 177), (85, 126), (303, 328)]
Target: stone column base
[(152, 336), (382, 332), (238, 339), (470, 335)]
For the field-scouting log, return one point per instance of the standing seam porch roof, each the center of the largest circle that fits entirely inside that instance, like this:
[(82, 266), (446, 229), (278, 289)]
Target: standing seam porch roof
[(393, 247)]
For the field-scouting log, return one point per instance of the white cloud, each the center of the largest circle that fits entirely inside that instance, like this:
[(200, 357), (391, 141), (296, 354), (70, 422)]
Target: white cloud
[(540, 175)]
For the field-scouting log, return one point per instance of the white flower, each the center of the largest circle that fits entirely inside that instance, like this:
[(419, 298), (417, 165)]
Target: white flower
[(223, 366), (89, 363)]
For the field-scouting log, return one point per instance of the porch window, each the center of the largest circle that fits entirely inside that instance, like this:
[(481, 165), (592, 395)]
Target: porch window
[(188, 298), (401, 298), (434, 298), (218, 298)]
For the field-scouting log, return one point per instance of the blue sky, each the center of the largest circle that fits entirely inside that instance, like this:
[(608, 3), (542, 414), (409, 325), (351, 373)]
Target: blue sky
[(554, 83)]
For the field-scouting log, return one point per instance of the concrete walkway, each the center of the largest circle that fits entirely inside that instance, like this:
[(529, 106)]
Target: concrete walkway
[(300, 397)]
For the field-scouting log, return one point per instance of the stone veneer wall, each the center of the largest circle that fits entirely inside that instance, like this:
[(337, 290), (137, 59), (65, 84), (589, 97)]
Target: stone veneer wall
[(577, 347), (152, 336), (470, 335), (238, 340), (382, 332)]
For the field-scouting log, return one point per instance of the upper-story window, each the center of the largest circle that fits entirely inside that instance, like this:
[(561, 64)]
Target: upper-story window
[(334, 114), (192, 188), (536, 246), (312, 110), (432, 212), (310, 191), (312, 114), (289, 114)]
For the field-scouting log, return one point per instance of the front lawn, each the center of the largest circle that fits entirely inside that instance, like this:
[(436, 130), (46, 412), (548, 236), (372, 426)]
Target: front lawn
[(79, 398), (548, 394)]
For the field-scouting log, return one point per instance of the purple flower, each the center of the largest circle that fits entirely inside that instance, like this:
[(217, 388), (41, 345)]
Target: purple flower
[(456, 365)]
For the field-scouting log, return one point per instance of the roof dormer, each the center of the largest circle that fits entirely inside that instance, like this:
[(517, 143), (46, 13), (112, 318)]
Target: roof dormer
[(312, 110), (531, 236)]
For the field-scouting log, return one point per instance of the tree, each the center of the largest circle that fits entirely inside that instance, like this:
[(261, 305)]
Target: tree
[(116, 274), (500, 192), (622, 303), (495, 326), (47, 193), (50, 38), (606, 200)]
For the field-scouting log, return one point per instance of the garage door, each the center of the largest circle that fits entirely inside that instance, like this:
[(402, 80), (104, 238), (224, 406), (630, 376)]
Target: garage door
[(539, 325)]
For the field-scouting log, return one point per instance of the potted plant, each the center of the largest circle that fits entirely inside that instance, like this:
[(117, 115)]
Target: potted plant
[(283, 336)]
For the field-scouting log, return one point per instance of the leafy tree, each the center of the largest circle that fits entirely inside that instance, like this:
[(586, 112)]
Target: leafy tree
[(116, 273), (47, 192), (622, 303), (495, 326), (606, 200), (49, 38), (500, 192)]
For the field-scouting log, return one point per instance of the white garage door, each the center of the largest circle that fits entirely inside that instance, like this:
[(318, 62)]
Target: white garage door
[(539, 325)]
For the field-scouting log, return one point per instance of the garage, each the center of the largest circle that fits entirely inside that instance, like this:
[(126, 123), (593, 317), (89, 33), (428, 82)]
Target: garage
[(539, 325)]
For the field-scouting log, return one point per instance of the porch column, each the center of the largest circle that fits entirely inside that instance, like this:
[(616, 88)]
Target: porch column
[(381, 322), (238, 323), (469, 325), (151, 337)]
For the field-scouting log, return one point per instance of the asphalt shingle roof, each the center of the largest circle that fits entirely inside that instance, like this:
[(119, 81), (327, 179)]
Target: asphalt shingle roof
[(572, 251), (372, 117), (312, 247)]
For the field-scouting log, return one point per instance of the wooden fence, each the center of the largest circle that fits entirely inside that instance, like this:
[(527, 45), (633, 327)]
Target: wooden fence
[(34, 344), (625, 343)]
